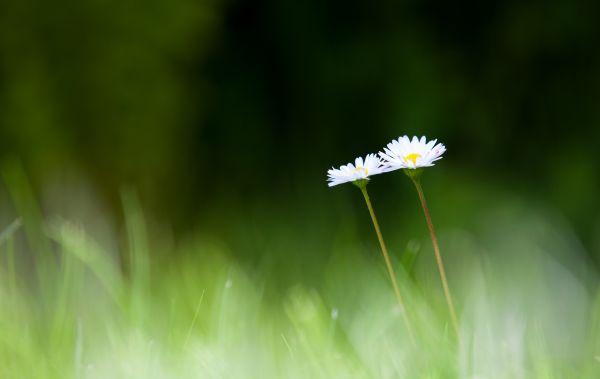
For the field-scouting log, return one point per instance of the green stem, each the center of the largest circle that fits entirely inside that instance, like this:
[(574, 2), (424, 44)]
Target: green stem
[(438, 256), (388, 262), (12, 277)]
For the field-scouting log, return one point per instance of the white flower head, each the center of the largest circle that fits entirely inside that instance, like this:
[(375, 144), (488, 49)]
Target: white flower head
[(362, 169), (404, 153)]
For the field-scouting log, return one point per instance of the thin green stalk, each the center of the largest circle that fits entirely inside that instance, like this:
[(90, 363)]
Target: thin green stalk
[(12, 277), (388, 262), (7, 236), (438, 255), (61, 311)]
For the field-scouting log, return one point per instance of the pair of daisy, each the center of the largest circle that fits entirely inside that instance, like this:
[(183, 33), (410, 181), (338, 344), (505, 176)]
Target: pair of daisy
[(402, 153), (410, 156)]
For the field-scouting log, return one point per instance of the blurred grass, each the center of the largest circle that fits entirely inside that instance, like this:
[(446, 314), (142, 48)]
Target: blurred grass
[(207, 108), (316, 304)]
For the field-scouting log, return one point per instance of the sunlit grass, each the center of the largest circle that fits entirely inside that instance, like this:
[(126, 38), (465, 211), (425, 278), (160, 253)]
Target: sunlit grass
[(149, 308)]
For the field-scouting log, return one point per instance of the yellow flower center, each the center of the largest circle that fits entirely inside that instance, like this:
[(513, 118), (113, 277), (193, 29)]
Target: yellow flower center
[(412, 157), (366, 170)]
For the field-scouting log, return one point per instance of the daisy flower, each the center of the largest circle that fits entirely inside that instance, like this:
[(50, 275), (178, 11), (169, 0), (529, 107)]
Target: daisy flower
[(404, 153), (411, 156), (362, 169), (359, 173)]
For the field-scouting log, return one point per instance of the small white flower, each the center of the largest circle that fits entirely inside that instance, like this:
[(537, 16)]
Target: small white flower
[(404, 153), (361, 169)]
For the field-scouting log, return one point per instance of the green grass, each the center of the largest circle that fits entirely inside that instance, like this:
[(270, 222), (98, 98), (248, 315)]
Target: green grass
[(151, 307)]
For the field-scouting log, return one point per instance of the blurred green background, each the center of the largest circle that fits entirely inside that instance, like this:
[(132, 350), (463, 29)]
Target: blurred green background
[(164, 210), (225, 115)]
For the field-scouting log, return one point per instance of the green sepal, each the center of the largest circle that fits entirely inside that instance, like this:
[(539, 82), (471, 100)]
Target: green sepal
[(413, 173), (361, 183)]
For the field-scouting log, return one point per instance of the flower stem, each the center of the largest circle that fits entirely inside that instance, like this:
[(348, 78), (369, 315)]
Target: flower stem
[(388, 262), (438, 256)]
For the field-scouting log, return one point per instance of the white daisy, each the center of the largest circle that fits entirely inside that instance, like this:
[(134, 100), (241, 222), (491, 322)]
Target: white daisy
[(404, 153), (360, 170)]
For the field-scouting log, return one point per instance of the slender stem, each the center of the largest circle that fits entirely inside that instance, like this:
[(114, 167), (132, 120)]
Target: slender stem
[(438, 256), (388, 263), (10, 246)]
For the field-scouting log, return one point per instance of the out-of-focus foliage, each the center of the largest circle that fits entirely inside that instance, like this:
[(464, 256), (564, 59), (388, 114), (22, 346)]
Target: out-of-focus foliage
[(193, 100), (528, 305), (103, 87), (223, 117)]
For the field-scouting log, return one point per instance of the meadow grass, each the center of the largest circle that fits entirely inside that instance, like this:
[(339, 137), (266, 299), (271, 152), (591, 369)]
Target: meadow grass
[(527, 301)]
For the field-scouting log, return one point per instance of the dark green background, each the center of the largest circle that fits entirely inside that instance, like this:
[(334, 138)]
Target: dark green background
[(225, 115)]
